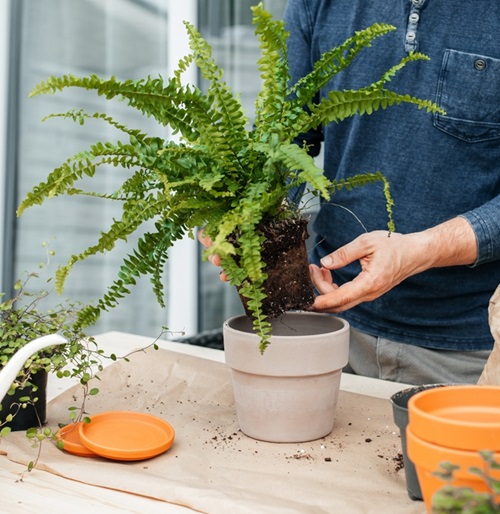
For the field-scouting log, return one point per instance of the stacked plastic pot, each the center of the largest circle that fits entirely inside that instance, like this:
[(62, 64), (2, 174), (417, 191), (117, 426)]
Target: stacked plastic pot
[(452, 424)]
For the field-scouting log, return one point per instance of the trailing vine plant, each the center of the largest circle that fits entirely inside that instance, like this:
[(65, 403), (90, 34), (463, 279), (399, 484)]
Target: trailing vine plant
[(220, 175), (77, 413), (23, 318), (451, 499)]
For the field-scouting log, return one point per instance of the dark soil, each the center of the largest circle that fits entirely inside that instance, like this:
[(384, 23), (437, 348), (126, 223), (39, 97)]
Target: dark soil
[(399, 462), (288, 286)]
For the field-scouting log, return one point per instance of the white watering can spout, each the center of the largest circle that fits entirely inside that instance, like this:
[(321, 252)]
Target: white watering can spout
[(10, 371)]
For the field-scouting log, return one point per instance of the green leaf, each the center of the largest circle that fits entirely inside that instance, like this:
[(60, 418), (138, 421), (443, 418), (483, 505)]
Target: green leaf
[(5, 431)]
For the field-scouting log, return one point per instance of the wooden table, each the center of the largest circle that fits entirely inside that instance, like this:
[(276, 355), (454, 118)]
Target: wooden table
[(43, 490)]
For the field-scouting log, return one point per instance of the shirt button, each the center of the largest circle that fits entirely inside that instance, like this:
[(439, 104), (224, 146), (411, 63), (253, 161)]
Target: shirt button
[(414, 17), (410, 36), (480, 64), (417, 2)]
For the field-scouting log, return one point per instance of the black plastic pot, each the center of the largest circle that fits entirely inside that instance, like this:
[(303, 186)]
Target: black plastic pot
[(35, 413), (399, 403)]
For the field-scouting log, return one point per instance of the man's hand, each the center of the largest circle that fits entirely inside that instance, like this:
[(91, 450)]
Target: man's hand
[(388, 259)]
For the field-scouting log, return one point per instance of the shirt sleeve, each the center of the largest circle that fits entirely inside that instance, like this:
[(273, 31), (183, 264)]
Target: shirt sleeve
[(485, 222)]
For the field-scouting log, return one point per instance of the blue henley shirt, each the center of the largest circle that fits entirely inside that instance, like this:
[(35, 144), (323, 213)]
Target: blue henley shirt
[(439, 167)]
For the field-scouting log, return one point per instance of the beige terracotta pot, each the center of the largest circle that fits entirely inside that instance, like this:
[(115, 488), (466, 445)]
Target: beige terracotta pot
[(289, 393)]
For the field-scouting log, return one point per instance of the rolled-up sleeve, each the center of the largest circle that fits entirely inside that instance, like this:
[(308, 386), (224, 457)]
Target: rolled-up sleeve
[(485, 222)]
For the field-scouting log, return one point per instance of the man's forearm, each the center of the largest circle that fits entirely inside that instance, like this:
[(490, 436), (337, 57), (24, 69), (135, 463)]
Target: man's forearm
[(451, 243)]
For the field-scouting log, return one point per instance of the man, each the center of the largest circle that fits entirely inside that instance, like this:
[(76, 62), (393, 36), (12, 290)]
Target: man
[(417, 299)]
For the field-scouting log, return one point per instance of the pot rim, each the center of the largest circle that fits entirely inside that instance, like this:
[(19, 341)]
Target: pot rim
[(324, 350), (409, 392), (429, 455), (345, 327), (440, 415)]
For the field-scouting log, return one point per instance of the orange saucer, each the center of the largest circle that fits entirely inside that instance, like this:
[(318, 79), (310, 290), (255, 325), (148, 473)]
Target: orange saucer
[(124, 435), (70, 437)]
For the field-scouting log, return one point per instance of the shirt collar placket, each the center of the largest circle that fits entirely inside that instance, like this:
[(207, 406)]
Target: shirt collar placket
[(411, 35)]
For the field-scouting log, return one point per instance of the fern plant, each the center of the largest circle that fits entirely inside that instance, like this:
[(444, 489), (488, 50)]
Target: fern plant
[(220, 175)]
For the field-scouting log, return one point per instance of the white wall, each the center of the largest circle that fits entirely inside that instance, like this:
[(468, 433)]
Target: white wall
[(4, 60), (183, 257)]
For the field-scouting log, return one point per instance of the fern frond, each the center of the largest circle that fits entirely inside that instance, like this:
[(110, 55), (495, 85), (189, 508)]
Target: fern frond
[(273, 67), (241, 222), (391, 72), (80, 116), (153, 248), (61, 180), (170, 104), (295, 159), (235, 274), (363, 179), (182, 66), (336, 60), (149, 258), (136, 212), (253, 292), (339, 105), (251, 256), (330, 64), (232, 122), (58, 181)]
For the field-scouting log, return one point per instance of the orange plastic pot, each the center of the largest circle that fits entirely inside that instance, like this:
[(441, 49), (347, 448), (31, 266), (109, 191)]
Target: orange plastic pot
[(427, 458), (463, 417)]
